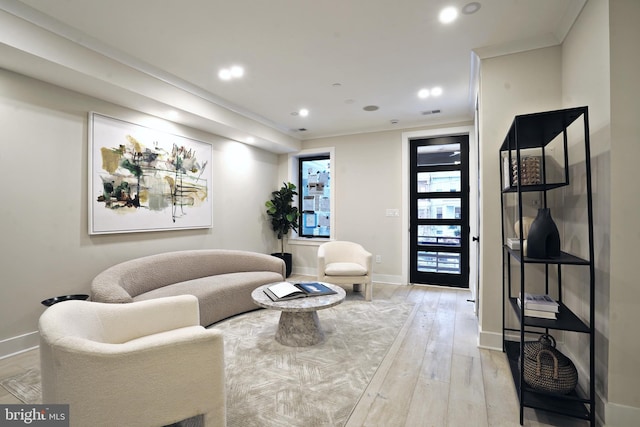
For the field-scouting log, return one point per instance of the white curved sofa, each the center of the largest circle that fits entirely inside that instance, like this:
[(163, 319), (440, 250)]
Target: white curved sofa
[(221, 279)]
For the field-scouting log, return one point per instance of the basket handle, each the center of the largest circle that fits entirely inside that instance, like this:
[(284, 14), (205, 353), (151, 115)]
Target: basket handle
[(547, 337), (539, 364)]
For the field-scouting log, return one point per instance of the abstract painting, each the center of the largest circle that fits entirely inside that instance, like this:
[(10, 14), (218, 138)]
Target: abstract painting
[(144, 179)]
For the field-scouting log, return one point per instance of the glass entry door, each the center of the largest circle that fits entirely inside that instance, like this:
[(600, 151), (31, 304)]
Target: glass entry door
[(439, 205)]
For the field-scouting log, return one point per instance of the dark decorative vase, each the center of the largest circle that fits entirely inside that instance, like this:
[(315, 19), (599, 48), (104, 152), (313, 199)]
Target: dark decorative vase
[(543, 240), (288, 260)]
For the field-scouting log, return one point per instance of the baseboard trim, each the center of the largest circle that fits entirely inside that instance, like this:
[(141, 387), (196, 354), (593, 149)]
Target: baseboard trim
[(304, 271), (387, 279), (490, 340), (619, 415), (19, 344)]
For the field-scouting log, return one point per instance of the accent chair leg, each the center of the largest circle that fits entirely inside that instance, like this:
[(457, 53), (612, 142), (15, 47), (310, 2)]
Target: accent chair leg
[(368, 291)]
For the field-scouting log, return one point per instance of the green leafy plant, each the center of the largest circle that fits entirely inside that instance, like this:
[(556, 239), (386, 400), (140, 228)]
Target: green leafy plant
[(282, 214)]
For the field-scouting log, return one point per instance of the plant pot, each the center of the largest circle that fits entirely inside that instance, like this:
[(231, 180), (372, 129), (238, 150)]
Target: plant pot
[(543, 240), (288, 260)]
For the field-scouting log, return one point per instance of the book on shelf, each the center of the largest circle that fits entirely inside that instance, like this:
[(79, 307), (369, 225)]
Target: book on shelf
[(513, 243), (538, 302), (284, 291), (540, 314)]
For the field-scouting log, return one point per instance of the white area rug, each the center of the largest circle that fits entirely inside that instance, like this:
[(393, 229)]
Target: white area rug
[(270, 385), (25, 386)]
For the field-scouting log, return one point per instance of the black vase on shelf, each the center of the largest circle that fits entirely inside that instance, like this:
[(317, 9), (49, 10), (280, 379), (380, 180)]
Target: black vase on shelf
[(544, 239)]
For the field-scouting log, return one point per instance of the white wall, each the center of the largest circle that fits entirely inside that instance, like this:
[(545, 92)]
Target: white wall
[(624, 347), (509, 85), (46, 249), (369, 177), (586, 81), (598, 67)]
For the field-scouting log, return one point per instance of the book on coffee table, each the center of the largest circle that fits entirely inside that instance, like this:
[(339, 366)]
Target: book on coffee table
[(283, 291)]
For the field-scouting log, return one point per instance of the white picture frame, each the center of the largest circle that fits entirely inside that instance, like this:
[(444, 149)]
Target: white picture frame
[(143, 179)]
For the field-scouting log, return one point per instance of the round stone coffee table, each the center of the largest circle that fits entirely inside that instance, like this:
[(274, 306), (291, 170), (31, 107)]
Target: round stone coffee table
[(299, 325)]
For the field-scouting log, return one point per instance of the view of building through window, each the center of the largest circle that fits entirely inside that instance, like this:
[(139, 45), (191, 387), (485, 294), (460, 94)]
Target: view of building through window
[(439, 208), (314, 196), (435, 207)]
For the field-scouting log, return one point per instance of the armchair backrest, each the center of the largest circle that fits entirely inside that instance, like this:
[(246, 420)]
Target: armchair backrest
[(116, 323), (77, 319), (342, 251)]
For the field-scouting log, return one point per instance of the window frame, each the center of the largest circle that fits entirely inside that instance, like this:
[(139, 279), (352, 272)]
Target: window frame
[(302, 189), (294, 176)]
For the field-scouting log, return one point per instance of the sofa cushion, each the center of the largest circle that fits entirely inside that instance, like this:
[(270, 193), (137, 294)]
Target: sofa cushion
[(344, 269), (220, 296)]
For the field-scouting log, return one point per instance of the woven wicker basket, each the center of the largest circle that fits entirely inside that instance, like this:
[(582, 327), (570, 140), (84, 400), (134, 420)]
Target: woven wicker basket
[(547, 369)]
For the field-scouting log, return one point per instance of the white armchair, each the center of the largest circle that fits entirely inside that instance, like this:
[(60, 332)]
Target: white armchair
[(146, 363), (345, 263)]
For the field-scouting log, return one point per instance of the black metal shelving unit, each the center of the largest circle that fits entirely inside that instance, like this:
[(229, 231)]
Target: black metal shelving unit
[(534, 132)]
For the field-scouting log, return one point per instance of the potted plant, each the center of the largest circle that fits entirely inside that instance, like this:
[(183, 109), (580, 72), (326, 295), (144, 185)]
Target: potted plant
[(284, 217)]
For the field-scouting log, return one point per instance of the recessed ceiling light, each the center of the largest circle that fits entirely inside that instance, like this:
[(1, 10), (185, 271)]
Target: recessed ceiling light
[(436, 91), (371, 108), (303, 112), (224, 74), (237, 71), (233, 72), (471, 8), (423, 93), (448, 15)]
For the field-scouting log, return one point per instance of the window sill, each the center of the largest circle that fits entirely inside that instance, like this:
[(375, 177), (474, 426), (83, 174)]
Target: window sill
[(308, 241)]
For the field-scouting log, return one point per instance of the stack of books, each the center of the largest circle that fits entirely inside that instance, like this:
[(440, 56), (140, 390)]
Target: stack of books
[(540, 306), (513, 243)]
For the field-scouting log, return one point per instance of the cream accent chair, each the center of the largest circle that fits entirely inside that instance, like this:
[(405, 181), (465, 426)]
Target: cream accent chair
[(146, 363), (345, 263)]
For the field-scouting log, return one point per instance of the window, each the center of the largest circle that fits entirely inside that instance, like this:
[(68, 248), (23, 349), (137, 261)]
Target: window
[(314, 196)]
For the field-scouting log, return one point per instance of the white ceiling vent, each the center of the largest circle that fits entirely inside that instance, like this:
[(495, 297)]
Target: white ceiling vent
[(429, 112)]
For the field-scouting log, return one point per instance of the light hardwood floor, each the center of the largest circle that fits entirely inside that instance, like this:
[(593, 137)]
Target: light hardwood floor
[(434, 375)]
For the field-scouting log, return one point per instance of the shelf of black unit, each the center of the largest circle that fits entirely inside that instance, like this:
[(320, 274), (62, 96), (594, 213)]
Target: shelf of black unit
[(570, 404), (534, 187), (538, 129), (564, 258), (566, 319)]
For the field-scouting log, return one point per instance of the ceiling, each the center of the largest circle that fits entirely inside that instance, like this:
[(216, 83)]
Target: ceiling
[(332, 57)]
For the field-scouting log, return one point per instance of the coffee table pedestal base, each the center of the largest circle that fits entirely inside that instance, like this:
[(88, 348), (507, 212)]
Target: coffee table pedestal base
[(299, 329)]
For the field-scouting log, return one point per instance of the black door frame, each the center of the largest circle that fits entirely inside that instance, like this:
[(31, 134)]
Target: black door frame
[(445, 279)]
